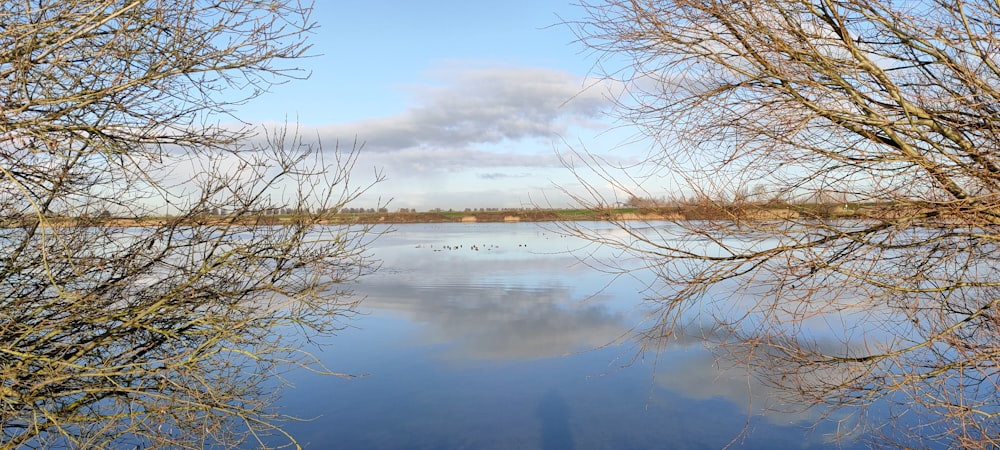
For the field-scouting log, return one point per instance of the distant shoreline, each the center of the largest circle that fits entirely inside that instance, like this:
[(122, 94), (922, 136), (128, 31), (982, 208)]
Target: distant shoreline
[(671, 213)]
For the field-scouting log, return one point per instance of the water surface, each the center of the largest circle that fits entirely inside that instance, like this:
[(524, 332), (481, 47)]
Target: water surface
[(496, 336)]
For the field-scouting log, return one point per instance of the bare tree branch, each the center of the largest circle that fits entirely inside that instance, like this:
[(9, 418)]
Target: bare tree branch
[(874, 281), (125, 324)]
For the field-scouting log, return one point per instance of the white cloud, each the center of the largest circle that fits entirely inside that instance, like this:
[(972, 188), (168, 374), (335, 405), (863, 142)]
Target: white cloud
[(475, 136), (469, 107)]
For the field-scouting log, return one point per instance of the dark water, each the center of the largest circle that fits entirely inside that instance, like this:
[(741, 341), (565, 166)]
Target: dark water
[(494, 336)]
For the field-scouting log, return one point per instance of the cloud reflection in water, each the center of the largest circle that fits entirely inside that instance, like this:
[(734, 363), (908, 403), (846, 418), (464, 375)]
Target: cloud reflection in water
[(502, 322), (509, 348)]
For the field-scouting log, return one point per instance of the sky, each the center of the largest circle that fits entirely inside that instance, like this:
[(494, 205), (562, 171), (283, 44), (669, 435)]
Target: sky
[(458, 104)]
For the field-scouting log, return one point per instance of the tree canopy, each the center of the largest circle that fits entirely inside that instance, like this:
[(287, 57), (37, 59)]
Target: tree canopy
[(891, 108), (142, 302)]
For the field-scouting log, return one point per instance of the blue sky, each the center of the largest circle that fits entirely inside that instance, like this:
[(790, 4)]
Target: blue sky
[(460, 104)]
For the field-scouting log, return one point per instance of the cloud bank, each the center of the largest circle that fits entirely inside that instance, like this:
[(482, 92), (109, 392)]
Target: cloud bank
[(474, 135), (464, 109)]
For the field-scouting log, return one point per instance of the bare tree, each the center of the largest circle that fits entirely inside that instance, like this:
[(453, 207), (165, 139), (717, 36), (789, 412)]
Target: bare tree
[(892, 107), (133, 314)]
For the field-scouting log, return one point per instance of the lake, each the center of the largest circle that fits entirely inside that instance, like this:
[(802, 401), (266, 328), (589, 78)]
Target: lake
[(495, 335)]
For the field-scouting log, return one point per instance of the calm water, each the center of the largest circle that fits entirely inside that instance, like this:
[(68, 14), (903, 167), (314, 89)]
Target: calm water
[(494, 336)]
